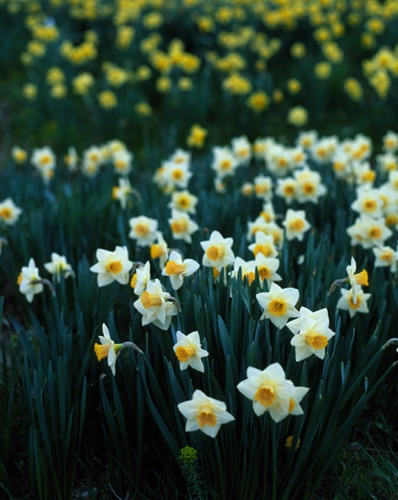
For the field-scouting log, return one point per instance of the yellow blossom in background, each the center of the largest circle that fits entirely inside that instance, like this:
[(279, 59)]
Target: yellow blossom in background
[(143, 109), (298, 50), (185, 84), (163, 84), (29, 91), (143, 73), (297, 116), (82, 83), (258, 101), (107, 99), (197, 136), (58, 91), (124, 37), (353, 89), (19, 155), (237, 84), (278, 95), (293, 86), (55, 75), (323, 70)]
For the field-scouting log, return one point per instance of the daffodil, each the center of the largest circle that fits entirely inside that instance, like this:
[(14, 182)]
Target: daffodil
[(218, 251), (267, 267), (205, 414), (271, 392), (183, 201), (140, 278), (143, 230), (156, 305), (264, 243), (386, 257), (189, 351), (182, 226), (159, 250), (311, 333), (58, 266), (278, 304), (177, 269), (356, 280), (9, 212), (346, 302), (295, 224), (29, 281), (107, 349), (112, 266)]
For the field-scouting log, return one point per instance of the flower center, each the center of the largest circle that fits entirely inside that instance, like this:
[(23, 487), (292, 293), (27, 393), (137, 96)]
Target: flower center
[(354, 305), (101, 350), (308, 188), (370, 205), (206, 417), (133, 281), (215, 253), (183, 201), (265, 273), (150, 300), (316, 340), (375, 232), (184, 353), (179, 226), (173, 267), (277, 307), (177, 174), (296, 225), (141, 229), (5, 213), (114, 267), (266, 250), (225, 164), (265, 395), (387, 255)]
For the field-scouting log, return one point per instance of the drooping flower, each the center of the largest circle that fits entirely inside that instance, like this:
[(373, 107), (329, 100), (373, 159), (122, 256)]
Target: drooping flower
[(311, 333), (205, 414), (218, 251), (267, 267), (58, 266), (271, 392), (177, 269), (112, 266), (159, 250), (140, 278), (156, 305), (122, 192), (278, 304), (356, 280), (29, 281), (107, 349), (189, 351)]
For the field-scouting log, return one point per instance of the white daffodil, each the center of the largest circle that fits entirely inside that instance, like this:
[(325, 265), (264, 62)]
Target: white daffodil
[(271, 392), (58, 266), (182, 226), (386, 257), (112, 266), (183, 201), (356, 279), (107, 349), (311, 333), (189, 351), (177, 269), (9, 212), (218, 251), (159, 249), (140, 278), (264, 243), (247, 269), (122, 192), (278, 304), (156, 305), (29, 281), (295, 224), (267, 267), (346, 302), (205, 414), (143, 230)]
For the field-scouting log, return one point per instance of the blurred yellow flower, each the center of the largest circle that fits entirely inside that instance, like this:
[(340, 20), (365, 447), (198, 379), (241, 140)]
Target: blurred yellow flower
[(258, 101), (297, 116), (107, 99), (197, 136)]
